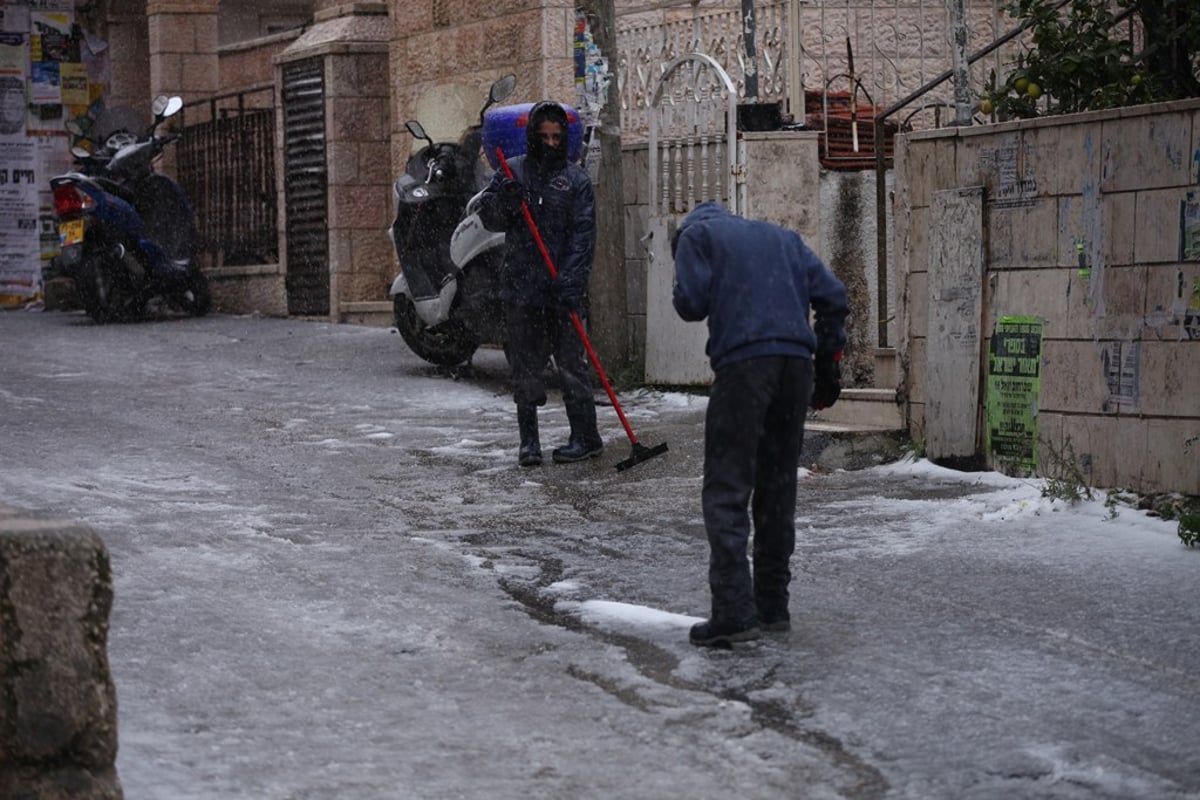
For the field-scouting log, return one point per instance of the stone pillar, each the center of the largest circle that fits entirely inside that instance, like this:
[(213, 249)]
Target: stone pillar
[(183, 48), (352, 41), (58, 704), (128, 55)]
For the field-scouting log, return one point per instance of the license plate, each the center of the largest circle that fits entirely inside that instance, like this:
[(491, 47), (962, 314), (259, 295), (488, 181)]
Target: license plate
[(71, 232)]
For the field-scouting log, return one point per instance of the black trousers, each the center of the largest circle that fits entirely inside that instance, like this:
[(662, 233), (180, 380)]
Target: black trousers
[(535, 333), (753, 432)]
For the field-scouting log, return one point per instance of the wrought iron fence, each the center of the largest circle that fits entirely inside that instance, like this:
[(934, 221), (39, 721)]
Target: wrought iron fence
[(227, 166)]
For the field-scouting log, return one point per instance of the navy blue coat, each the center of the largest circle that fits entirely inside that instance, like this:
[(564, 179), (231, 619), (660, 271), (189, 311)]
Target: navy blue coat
[(755, 282), (563, 207)]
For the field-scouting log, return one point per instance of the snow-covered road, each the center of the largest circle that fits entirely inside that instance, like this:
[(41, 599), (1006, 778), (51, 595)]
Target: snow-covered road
[(333, 581)]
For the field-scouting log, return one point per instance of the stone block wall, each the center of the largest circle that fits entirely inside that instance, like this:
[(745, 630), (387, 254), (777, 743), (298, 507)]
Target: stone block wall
[(361, 260), (183, 48), (129, 52), (58, 703), (250, 64), (1092, 224), (531, 40)]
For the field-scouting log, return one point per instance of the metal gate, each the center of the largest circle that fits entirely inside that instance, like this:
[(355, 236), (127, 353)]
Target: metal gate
[(305, 182), (694, 157), (227, 166)]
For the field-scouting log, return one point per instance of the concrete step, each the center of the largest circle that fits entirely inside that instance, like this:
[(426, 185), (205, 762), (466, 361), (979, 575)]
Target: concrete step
[(861, 409), (375, 313)]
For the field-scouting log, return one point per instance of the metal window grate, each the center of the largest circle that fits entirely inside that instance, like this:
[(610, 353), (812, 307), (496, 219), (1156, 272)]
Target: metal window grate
[(305, 184)]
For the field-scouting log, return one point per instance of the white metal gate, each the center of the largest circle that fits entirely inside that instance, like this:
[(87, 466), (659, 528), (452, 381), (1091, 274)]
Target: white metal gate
[(694, 157)]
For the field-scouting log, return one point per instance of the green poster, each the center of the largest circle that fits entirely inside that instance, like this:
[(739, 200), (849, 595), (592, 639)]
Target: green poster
[(1013, 386)]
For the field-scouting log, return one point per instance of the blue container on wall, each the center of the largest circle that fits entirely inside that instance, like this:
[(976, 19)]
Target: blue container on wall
[(504, 127)]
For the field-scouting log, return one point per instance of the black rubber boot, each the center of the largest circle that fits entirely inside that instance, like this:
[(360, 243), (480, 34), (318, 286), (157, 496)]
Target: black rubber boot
[(585, 441), (530, 452)]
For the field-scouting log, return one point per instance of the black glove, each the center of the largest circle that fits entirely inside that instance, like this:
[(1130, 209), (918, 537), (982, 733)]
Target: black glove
[(827, 380), (570, 301), (510, 196)]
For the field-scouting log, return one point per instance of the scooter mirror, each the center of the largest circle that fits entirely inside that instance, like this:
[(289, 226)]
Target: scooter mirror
[(74, 128), (417, 130), (502, 88), (164, 106), (80, 152)]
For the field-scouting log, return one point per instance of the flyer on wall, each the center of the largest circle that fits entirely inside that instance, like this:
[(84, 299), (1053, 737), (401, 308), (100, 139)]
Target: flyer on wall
[(20, 251)]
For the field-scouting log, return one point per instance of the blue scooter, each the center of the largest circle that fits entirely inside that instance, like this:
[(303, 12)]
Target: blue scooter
[(128, 233)]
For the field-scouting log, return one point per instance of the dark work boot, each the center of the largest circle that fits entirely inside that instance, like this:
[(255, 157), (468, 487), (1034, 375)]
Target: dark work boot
[(585, 441), (530, 452), (711, 633)]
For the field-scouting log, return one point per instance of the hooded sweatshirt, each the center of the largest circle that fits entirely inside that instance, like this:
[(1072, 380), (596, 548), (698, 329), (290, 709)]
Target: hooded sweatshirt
[(561, 201), (755, 282)]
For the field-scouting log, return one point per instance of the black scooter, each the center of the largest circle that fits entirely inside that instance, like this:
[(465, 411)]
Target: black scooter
[(444, 298), (128, 232)]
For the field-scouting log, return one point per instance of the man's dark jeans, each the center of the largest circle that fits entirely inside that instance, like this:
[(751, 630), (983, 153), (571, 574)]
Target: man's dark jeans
[(754, 428)]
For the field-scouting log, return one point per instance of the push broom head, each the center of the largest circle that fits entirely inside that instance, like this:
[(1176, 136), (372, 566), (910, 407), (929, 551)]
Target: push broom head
[(641, 453)]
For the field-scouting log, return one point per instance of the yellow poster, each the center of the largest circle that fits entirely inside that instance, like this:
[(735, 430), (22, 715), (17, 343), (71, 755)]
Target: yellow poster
[(73, 82)]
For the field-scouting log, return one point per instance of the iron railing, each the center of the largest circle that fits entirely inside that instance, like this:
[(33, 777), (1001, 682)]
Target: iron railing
[(227, 166)]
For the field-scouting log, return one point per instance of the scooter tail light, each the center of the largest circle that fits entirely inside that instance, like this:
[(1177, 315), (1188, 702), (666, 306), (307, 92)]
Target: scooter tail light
[(71, 200)]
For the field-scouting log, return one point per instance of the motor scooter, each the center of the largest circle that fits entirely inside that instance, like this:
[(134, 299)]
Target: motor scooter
[(445, 297), (128, 232)]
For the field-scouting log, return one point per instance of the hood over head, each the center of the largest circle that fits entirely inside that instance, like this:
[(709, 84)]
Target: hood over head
[(539, 152), (710, 209)]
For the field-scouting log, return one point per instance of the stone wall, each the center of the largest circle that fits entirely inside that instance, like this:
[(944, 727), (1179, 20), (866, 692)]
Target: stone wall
[(58, 704), (484, 41), (249, 64), (129, 53), (1086, 219), (183, 48)]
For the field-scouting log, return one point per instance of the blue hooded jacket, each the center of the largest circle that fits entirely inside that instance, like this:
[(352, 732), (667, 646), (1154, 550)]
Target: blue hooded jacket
[(755, 282), (562, 203)]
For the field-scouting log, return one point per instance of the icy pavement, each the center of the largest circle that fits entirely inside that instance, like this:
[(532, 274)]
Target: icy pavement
[(332, 580)]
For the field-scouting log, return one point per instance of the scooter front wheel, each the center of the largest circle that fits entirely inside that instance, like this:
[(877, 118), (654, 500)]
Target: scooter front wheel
[(196, 299), (446, 345)]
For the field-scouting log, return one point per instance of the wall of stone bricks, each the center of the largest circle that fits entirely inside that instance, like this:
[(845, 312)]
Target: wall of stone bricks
[(472, 44), (249, 64), (183, 48), (1109, 186)]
